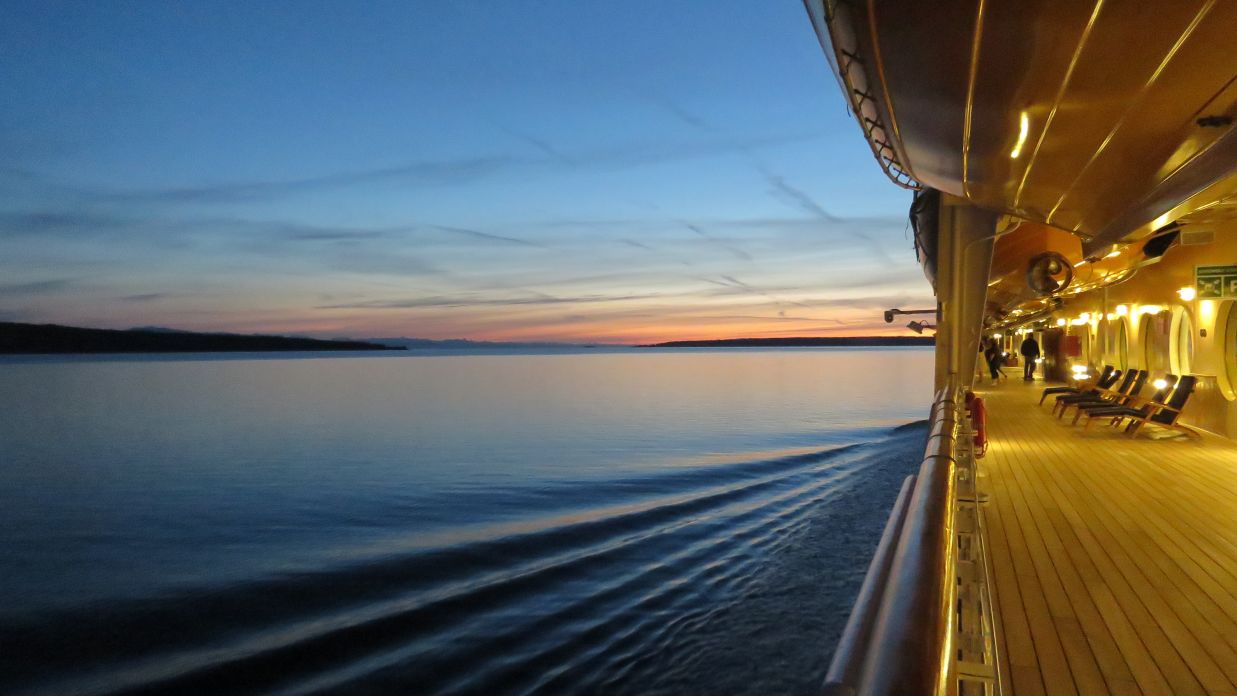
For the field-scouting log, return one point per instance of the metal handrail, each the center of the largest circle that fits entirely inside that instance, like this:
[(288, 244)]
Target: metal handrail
[(896, 639), (848, 656)]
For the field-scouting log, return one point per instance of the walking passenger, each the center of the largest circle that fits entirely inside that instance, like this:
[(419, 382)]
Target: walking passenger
[(993, 355), (1030, 352)]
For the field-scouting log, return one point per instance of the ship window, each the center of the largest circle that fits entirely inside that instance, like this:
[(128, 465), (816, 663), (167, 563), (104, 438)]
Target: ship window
[(1182, 348), (1121, 351), (1228, 334), (1154, 333)]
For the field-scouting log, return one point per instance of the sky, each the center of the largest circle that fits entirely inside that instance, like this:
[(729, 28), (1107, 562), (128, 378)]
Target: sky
[(519, 170)]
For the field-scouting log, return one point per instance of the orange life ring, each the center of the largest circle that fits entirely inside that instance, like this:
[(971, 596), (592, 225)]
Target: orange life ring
[(979, 421)]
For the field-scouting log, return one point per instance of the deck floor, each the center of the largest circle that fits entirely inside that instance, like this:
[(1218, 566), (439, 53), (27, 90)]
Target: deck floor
[(1114, 560)]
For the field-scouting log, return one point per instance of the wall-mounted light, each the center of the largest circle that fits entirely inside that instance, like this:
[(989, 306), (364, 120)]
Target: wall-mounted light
[(1060, 322), (1110, 316), (1206, 312), (891, 313), (997, 335), (1187, 294), (1123, 310), (1085, 317)]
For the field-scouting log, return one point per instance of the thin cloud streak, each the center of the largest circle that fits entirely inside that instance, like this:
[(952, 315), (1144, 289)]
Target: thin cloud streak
[(445, 172), (36, 287), (477, 234), (541, 299)]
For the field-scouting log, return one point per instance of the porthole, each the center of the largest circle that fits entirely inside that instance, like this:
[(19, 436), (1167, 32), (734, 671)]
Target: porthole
[(1153, 330), (1226, 330), (1181, 345), (1121, 351)]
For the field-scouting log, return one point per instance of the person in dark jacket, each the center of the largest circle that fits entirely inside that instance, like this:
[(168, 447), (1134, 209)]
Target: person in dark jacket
[(994, 358), (1030, 352)]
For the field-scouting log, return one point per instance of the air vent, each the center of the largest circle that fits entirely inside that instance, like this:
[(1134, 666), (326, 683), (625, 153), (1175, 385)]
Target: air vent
[(1195, 237)]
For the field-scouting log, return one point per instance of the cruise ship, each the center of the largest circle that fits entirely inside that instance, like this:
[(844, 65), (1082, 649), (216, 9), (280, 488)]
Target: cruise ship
[(1074, 169)]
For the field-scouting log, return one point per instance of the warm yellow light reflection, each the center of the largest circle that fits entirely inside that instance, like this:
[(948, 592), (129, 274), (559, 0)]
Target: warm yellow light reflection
[(1112, 254), (1187, 294), (1160, 384), (1150, 309), (1207, 312), (1078, 368), (1024, 126)]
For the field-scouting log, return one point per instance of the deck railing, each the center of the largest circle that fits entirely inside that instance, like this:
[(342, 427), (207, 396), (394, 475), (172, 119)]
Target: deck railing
[(923, 621)]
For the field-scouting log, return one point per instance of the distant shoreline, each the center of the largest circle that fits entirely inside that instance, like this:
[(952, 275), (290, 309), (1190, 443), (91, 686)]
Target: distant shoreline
[(799, 341), (53, 339)]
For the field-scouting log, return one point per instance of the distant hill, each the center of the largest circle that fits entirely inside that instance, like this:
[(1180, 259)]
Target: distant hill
[(465, 344), (52, 338), (800, 341)]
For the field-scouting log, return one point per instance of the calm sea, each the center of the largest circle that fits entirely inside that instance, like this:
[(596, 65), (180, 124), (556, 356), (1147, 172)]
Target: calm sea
[(635, 521)]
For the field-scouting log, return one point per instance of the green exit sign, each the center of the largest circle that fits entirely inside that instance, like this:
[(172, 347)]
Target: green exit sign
[(1214, 282)]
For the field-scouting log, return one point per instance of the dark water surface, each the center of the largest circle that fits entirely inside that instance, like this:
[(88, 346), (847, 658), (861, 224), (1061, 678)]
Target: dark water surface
[(613, 522)]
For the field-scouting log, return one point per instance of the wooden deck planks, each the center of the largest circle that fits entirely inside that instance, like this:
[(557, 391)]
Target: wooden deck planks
[(1114, 560)]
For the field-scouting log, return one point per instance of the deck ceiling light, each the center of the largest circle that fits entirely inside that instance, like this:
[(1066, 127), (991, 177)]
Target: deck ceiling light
[(1024, 127), (1187, 294)]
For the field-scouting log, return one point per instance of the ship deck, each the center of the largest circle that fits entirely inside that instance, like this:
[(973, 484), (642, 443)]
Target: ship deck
[(1114, 560)]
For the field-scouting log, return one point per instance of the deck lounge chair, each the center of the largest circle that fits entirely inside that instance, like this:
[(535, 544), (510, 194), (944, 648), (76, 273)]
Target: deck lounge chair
[(1163, 409), (1127, 393), (1105, 380), (1133, 401), (1131, 384)]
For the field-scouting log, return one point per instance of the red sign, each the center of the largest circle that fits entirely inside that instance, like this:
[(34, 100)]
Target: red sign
[(1071, 346)]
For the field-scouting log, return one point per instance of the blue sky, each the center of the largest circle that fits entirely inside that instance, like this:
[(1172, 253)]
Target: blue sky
[(527, 170)]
